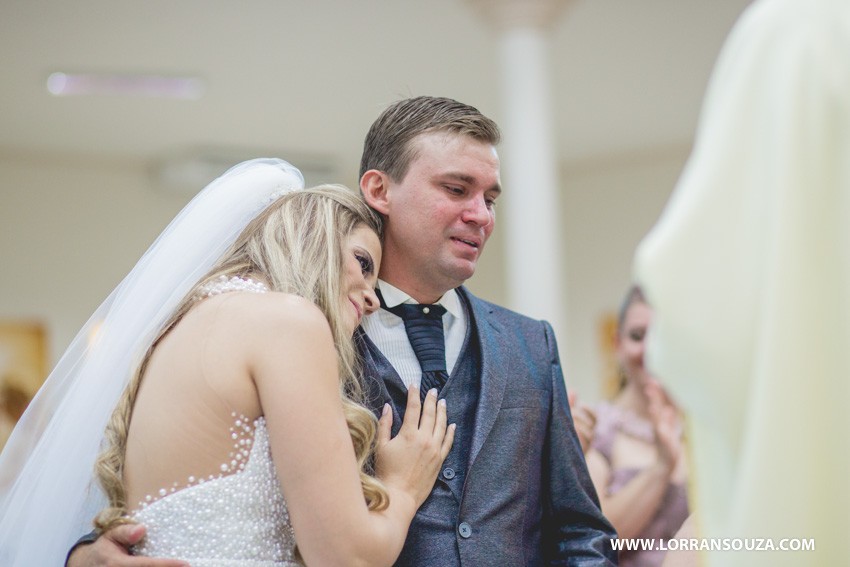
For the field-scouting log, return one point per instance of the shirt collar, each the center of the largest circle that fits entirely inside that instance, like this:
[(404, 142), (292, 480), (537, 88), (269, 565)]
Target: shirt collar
[(394, 296)]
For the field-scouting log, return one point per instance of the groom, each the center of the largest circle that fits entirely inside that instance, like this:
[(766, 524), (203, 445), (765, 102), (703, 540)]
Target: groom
[(515, 489)]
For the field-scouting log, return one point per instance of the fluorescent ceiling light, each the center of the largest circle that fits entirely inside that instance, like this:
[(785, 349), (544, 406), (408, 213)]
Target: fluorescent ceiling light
[(156, 86)]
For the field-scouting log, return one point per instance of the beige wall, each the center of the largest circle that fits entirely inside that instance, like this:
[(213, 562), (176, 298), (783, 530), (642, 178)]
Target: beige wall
[(608, 207), (73, 228)]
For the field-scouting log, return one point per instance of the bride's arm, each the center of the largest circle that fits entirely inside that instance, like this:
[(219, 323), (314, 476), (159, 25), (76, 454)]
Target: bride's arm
[(293, 362)]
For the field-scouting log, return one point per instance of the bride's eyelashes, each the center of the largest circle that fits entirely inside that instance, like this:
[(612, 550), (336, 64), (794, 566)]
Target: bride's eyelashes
[(367, 265)]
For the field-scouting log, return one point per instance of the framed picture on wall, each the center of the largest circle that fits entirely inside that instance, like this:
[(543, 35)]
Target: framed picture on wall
[(23, 368), (607, 341)]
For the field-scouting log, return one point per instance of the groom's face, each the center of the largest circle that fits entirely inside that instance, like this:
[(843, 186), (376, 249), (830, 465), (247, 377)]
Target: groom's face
[(441, 214)]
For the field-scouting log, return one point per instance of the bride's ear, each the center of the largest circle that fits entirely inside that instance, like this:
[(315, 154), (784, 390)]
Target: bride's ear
[(375, 188)]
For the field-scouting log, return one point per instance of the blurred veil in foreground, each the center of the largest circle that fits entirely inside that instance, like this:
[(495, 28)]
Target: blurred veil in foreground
[(748, 273)]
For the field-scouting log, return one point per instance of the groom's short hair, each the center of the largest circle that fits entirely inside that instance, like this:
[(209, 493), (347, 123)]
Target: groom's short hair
[(388, 146)]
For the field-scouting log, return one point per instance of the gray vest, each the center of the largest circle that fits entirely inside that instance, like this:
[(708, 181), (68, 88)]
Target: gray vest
[(434, 535)]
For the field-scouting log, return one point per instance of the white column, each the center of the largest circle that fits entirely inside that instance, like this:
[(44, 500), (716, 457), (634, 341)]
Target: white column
[(528, 215)]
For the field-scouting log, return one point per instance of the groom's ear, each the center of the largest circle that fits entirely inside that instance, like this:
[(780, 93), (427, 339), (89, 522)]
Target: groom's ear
[(375, 188)]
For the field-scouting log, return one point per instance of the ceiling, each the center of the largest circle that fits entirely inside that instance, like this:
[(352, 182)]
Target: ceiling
[(304, 79)]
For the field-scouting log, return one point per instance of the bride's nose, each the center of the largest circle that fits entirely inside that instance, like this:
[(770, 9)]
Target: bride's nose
[(370, 301)]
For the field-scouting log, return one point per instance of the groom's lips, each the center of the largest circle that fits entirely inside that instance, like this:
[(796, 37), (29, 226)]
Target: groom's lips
[(473, 242)]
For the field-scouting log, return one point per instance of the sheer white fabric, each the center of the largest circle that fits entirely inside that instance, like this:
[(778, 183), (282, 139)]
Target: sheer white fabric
[(748, 271), (48, 495)]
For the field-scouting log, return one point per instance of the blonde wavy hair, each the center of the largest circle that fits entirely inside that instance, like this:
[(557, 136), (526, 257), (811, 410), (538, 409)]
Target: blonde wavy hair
[(294, 246)]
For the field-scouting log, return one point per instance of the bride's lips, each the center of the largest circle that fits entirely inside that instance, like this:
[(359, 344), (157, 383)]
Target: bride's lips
[(356, 309)]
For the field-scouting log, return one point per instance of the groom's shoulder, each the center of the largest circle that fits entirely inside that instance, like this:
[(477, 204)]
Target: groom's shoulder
[(489, 309), (527, 338)]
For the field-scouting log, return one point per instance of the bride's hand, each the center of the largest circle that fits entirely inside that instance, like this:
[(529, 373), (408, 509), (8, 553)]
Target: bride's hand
[(411, 461)]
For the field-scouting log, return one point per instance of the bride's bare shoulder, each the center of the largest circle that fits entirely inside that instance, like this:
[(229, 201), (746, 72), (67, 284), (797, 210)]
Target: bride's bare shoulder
[(267, 315)]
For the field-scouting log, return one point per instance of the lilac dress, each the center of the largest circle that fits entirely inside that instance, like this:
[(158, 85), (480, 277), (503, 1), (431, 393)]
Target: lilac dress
[(673, 509)]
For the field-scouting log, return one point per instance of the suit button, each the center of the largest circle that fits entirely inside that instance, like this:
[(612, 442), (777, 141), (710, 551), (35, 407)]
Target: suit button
[(465, 530), (448, 473)]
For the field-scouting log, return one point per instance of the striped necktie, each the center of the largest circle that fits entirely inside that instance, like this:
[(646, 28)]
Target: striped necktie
[(424, 326)]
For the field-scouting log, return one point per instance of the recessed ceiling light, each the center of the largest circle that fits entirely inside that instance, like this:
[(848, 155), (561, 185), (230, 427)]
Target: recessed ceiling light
[(155, 86)]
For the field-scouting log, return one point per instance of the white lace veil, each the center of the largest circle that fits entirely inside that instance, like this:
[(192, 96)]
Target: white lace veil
[(48, 494)]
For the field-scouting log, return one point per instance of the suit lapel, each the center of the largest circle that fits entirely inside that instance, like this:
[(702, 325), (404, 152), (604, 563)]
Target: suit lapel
[(374, 390), (377, 372), (493, 380)]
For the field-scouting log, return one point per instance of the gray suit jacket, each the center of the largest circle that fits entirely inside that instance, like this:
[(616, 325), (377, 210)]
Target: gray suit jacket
[(527, 498)]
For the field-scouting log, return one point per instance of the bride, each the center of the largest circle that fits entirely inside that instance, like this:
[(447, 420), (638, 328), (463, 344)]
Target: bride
[(224, 375)]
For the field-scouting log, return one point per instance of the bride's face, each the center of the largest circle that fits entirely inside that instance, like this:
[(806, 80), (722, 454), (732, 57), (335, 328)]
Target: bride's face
[(361, 253)]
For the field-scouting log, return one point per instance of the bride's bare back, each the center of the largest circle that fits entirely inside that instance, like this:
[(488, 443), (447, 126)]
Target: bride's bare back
[(270, 356)]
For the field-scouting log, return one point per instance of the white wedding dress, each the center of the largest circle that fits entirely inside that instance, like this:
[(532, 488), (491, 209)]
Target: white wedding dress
[(238, 519)]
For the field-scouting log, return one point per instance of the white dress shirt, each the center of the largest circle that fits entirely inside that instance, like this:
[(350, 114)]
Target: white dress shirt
[(386, 330)]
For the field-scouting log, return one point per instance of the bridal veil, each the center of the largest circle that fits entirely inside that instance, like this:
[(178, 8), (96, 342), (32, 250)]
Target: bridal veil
[(48, 494)]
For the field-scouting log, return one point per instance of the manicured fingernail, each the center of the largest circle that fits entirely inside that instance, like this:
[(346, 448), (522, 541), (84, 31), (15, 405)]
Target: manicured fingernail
[(414, 386), (386, 409), (442, 402), (432, 392)]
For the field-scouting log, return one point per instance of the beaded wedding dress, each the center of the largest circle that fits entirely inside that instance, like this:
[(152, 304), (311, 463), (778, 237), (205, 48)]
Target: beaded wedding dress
[(236, 519)]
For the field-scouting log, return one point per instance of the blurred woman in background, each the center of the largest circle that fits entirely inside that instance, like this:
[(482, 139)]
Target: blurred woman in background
[(636, 458)]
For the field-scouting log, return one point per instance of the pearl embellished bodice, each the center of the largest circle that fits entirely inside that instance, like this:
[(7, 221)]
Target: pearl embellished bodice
[(235, 519), (238, 519)]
